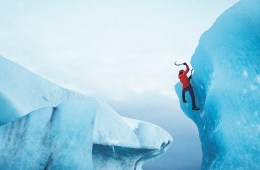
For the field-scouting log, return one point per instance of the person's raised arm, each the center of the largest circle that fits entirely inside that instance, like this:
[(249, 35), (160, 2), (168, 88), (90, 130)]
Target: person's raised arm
[(187, 68)]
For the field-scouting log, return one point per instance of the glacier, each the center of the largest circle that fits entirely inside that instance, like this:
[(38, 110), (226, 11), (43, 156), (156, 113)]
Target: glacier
[(226, 85), (45, 126), (50, 138)]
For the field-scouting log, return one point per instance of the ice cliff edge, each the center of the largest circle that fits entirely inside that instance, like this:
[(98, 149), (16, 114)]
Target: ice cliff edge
[(226, 84), (45, 126)]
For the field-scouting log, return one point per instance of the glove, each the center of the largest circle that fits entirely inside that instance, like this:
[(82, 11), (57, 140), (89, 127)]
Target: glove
[(184, 63)]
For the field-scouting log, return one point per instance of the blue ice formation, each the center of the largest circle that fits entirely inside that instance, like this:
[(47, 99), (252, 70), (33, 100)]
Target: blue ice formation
[(45, 126), (227, 89), (50, 138)]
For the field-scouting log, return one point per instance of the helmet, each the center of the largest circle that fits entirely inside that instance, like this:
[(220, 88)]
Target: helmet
[(181, 71)]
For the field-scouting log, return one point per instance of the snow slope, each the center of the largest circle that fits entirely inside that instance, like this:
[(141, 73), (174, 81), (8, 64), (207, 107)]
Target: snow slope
[(118, 142), (226, 84)]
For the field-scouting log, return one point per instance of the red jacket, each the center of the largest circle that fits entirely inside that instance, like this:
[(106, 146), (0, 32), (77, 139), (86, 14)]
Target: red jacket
[(184, 79)]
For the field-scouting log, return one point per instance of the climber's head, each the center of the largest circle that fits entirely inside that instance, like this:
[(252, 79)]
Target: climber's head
[(181, 71)]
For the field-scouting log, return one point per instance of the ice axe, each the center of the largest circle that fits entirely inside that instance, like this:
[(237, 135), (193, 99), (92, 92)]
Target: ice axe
[(175, 63), (190, 77)]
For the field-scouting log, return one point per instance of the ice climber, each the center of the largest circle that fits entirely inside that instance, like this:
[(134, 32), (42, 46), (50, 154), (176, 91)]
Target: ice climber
[(186, 86)]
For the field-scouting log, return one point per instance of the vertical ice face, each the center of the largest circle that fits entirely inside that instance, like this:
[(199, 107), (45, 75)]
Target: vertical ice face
[(226, 85)]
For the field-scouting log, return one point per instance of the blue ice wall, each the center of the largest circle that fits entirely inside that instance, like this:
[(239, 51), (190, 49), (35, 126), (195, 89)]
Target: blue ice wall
[(50, 138), (226, 84)]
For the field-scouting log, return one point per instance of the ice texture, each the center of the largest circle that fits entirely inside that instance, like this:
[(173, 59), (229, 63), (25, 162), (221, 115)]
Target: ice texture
[(226, 84), (50, 138), (45, 126)]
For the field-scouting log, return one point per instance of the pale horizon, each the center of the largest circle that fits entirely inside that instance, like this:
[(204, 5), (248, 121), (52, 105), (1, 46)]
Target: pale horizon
[(122, 52)]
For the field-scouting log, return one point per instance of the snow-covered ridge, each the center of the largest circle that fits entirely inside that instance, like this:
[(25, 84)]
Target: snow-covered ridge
[(226, 84), (118, 142)]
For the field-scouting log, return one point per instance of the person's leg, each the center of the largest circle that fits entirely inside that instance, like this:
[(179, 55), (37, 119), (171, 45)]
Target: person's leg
[(183, 96), (192, 96)]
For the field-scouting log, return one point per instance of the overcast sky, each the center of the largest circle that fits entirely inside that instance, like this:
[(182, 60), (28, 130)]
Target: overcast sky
[(121, 51), (113, 48)]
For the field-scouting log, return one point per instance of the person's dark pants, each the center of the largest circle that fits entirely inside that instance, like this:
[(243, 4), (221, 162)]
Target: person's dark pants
[(191, 95)]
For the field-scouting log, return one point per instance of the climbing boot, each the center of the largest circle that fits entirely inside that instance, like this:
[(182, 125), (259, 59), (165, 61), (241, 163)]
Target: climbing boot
[(195, 108)]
